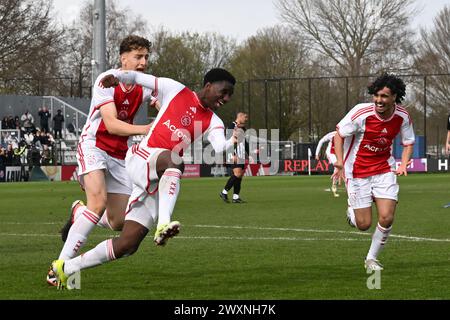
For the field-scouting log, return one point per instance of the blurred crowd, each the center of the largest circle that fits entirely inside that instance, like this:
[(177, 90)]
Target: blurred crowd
[(24, 142)]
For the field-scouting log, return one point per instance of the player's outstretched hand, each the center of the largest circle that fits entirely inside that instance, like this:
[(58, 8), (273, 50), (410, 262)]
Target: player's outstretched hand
[(401, 170), (109, 81), (338, 174)]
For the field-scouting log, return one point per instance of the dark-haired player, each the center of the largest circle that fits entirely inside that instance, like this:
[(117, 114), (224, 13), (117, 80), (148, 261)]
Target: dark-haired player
[(365, 158), (155, 165), (101, 152)]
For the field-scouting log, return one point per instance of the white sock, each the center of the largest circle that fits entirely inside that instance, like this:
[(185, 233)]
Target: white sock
[(235, 196), (78, 212), (379, 238), (169, 187), (102, 253), (78, 234), (224, 191), (104, 222), (351, 215)]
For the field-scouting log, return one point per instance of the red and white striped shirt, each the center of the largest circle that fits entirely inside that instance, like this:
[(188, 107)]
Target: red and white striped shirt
[(368, 150), (182, 118), (127, 103)]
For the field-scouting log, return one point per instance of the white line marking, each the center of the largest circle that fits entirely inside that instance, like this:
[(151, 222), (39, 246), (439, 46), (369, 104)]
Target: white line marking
[(322, 231), (359, 233)]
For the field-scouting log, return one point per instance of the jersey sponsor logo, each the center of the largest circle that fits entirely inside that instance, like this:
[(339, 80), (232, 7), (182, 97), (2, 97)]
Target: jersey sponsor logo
[(193, 109), (178, 133), (126, 102), (186, 120), (384, 130), (374, 149)]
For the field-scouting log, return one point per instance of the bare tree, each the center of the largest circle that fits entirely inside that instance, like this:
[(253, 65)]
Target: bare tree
[(29, 43), (186, 57), (359, 36), (272, 53), (433, 57), (120, 23)]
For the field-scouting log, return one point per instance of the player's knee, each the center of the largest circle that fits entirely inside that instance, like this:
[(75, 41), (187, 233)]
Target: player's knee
[(97, 202), (169, 160), (116, 225), (386, 222), (363, 225), (176, 162), (124, 247)]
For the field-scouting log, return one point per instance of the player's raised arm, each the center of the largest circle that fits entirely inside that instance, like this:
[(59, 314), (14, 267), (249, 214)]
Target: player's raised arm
[(130, 77), (119, 127), (338, 175), (216, 136)]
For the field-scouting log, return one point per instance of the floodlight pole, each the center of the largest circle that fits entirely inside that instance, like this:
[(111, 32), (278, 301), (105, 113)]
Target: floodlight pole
[(98, 61)]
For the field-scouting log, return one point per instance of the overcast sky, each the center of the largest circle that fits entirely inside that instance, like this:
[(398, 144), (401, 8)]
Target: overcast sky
[(239, 19)]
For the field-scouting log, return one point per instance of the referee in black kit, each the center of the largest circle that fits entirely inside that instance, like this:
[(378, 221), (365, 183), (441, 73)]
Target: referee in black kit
[(236, 160)]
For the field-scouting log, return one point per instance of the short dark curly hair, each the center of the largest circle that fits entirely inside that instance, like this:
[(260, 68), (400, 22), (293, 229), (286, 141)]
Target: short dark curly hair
[(218, 74), (390, 81), (133, 42)]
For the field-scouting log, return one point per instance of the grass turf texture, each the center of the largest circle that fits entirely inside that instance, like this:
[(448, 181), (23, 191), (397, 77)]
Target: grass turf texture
[(290, 241)]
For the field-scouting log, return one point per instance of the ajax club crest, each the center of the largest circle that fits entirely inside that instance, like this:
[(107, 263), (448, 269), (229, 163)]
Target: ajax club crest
[(186, 120)]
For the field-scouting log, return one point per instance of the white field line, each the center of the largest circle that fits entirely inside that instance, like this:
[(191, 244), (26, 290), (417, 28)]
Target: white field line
[(399, 237)]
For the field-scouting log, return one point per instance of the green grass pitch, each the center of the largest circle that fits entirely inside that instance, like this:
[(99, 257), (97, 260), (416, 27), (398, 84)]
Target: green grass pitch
[(289, 241)]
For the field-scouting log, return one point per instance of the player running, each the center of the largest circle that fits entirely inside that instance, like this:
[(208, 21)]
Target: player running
[(365, 158)]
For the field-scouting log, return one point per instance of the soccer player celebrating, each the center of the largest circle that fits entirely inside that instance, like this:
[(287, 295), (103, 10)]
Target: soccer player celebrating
[(155, 165), (365, 158), (329, 152), (236, 160), (101, 152)]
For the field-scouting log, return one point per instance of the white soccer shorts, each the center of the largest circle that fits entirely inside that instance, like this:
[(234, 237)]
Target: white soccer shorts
[(361, 191), (91, 158), (141, 167), (331, 158)]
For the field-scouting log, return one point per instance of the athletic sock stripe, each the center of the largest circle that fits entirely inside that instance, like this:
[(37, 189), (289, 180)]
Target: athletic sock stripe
[(143, 151), (91, 217), (143, 156), (384, 230), (110, 249), (168, 174)]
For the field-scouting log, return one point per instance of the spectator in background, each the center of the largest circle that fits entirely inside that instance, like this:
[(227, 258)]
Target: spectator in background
[(9, 155), (5, 123), (50, 139), (16, 123), (27, 121), (46, 155), (11, 122), (43, 138), (29, 138), (44, 115), (58, 120), (2, 156)]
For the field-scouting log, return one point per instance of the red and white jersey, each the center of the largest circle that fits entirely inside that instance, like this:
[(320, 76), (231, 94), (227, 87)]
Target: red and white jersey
[(127, 103), (181, 119), (368, 148), (329, 137)]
